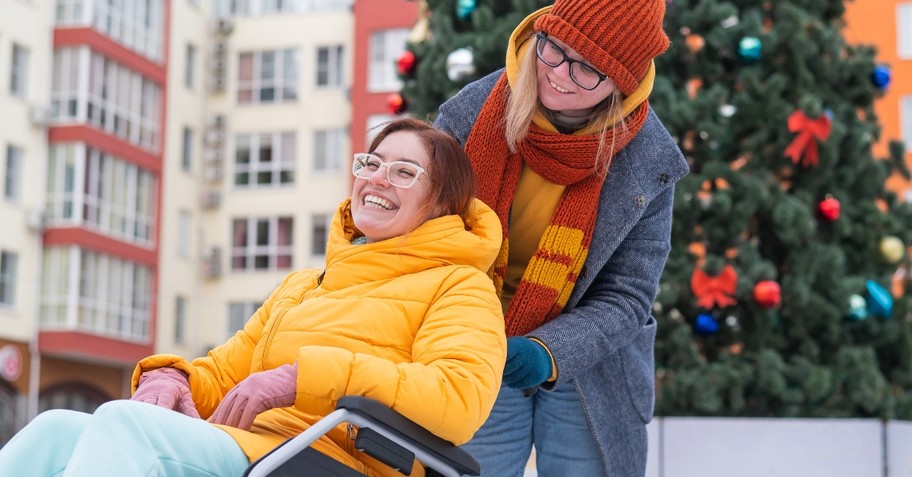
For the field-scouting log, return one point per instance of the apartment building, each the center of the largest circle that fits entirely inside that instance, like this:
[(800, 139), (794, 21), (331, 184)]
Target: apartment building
[(25, 65), (887, 24)]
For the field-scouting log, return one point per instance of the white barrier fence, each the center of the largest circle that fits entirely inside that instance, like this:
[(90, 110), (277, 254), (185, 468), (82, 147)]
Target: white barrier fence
[(726, 447), (729, 447)]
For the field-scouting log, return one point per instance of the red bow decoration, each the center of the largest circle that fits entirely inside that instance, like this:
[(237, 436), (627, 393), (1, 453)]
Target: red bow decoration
[(717, 290), (804, 147)]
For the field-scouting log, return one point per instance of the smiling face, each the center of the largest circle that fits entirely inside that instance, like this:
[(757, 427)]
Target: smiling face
[(381, 210), (558, 92)]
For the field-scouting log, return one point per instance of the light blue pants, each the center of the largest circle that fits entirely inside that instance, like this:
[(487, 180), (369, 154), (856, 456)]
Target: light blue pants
[(552, 421), (124, 439)]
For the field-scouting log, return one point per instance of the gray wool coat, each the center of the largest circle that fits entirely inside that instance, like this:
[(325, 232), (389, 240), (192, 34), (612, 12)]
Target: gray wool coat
[(604, 339)]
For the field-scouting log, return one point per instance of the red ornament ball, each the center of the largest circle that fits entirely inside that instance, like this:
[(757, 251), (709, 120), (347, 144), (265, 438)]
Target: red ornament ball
[(829, 209), (767, 294), (395, 103), (405, 65)]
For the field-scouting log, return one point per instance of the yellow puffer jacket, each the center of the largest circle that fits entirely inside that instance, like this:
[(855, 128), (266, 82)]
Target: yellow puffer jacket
[(411, 321)]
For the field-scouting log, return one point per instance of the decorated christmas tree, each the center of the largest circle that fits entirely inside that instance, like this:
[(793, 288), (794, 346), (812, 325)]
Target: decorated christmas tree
[(787, 291), (454, 43)]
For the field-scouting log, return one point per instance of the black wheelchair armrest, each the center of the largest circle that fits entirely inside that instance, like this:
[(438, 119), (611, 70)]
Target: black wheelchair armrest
[(408, 430), (389, 436)]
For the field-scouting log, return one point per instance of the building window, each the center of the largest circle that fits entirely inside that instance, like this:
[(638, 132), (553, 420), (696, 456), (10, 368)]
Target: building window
[(187, 149), (136, 25), (7, 278), (267, 7), (904, 31), (189, 66), (319, 232), (71, 396), (119, 101), (329, 66), (87, 186), (12, 179), (328, 150), (107, 296), (184, 228), (7, 413), (264, 160), (238, 315), (71, 12), (261, 244), (19, 71), (268, 77), (385, 48), (180, 319), (905, 120)]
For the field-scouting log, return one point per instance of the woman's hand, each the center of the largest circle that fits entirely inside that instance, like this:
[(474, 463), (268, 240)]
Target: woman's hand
[(258, 393), (168, 388)]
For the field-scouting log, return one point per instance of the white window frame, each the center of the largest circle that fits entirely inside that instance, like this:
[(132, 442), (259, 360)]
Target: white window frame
[(386, 46), (238, 315), (190, 66), (88, 187), (88, 87), (278, 256), (180, 319), (8, 265), (328, 151), (12, 178), (904, 30), (19, 62), (905, 121), (187, 143), (329, 72), (184, 233), (319, 234), (280, 167), (282, 79), (96, 293)]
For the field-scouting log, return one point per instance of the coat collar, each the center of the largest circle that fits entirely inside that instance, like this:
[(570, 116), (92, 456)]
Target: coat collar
[(438, 242)]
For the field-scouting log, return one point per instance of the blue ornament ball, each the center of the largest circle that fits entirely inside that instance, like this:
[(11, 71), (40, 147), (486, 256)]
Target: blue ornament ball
[(881, 76), (464, 8), (750, 49), (880, 302), (706, 324)]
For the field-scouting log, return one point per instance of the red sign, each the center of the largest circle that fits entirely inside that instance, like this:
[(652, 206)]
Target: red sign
[(10, 363)]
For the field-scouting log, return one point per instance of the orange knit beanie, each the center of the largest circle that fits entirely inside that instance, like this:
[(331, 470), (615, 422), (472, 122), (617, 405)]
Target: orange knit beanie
[(619, 37)]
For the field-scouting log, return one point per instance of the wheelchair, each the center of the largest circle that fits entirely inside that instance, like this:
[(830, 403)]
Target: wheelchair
[(382, 433)]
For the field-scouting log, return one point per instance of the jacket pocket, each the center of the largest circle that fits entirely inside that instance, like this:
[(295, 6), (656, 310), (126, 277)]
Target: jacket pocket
[(638, 361)]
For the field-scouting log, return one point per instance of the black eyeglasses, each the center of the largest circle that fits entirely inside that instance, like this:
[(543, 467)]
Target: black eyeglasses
[(582, 73)]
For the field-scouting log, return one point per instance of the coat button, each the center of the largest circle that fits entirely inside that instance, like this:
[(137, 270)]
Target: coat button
[(664, 178), (641, 201)]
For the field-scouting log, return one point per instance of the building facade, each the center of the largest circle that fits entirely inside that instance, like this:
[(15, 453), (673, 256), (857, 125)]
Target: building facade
[(887, 25)]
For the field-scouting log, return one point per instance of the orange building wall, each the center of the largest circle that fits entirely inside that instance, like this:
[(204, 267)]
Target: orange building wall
[(369, 17), (874, 22)]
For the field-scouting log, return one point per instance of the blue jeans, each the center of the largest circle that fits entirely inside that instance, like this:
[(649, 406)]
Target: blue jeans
[(552, 421), (122, 438)]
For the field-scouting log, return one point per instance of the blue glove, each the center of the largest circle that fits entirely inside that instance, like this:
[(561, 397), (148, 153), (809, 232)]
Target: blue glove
[(528, 363)]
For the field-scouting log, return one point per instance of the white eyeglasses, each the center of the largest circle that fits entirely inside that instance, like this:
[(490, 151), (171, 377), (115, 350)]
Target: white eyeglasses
[(398, 173)]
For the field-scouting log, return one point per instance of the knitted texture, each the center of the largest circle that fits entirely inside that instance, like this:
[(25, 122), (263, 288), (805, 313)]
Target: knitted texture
[(559, 158), (619, 37)]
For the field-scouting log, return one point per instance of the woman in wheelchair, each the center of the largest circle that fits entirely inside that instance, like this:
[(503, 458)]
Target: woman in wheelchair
[(403, 313)]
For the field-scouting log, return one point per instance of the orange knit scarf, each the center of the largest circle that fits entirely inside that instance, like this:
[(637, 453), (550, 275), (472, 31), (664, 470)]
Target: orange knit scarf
[(559, 158)]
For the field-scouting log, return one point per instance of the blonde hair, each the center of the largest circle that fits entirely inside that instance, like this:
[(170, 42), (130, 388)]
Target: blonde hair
[(522, 104)]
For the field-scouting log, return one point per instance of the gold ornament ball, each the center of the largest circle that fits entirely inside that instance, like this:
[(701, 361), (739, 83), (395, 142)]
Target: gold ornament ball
[(891, 249)]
